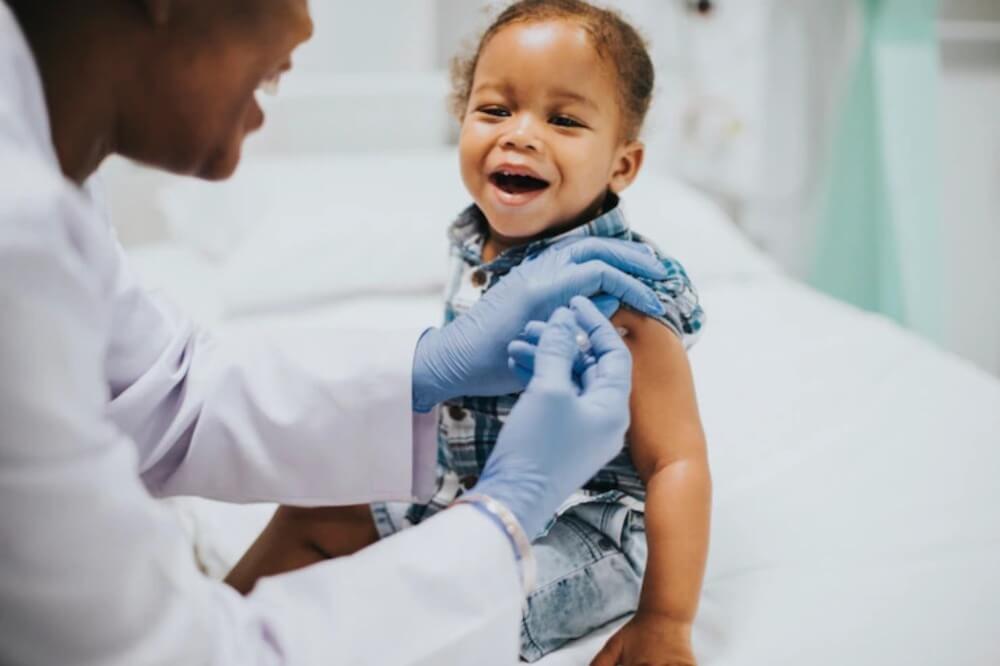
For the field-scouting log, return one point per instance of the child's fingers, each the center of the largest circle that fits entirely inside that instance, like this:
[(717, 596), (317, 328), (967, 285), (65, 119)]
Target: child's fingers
[(610, 654)]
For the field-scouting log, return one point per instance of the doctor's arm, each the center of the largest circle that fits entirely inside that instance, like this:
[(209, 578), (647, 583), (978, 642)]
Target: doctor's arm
[(295, 423), (96, 572)]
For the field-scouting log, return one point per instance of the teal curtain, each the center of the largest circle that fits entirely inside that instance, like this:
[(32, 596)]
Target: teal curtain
[(878, 232)]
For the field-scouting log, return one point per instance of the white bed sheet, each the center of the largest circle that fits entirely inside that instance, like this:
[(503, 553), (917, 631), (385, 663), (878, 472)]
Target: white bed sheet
[(855, 468), (855, 515)]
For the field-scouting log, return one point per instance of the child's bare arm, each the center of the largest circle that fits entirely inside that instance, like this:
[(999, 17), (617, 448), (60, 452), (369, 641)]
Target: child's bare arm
[(668, 449), (298, 537)]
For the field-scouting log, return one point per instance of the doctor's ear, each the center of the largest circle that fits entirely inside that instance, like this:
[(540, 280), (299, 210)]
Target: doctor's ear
[(157, 10), (627, 163)]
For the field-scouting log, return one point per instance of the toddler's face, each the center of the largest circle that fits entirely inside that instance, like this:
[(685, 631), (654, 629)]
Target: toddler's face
[(541, 139)]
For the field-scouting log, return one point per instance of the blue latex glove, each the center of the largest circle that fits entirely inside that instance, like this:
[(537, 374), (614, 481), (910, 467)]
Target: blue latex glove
[(565, 426), (469, 355)]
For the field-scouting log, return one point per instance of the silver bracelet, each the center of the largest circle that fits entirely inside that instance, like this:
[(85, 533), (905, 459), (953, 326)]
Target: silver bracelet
[(524, 555)]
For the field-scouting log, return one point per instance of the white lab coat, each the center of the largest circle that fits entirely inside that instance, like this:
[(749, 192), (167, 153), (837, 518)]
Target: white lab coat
[(107, 397)]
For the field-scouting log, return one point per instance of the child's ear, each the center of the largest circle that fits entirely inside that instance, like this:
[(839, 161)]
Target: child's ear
[(627, 163)]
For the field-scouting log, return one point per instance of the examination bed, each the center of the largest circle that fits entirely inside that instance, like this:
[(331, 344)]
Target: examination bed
[(856, 508)]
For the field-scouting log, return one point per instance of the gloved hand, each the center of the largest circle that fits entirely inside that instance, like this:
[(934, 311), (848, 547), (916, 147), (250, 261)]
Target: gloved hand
[(562, 430), (469, 355)]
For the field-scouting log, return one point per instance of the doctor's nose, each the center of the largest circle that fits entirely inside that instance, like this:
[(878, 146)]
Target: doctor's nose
[(521, 136)]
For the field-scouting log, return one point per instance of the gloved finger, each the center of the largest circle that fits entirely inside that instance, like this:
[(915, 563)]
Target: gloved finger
[(532, 332), (558, 349), (595, 277), (523, 353), (587, 375), (604, 336), (614, 362), (608, 305), (628, 256), (523, 374)]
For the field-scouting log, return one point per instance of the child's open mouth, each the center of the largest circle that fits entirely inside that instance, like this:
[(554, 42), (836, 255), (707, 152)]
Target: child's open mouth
[(517, 183)]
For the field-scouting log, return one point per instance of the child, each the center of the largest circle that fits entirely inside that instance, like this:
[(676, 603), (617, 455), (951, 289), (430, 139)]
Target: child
[(551, 105)]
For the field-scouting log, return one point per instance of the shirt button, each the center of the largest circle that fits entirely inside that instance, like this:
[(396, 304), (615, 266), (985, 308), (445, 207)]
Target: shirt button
[(456, 413), (469, 481), (478, 278)]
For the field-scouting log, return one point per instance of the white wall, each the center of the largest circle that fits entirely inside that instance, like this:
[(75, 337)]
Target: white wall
[(370, 36), (367, 80), (374, 78), (970, 119)]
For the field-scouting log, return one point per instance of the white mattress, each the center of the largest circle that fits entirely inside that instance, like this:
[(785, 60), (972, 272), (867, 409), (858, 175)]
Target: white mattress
[(855, 517)]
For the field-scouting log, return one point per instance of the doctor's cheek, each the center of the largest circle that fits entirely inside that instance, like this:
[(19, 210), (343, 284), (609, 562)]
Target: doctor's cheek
[(229, 149)]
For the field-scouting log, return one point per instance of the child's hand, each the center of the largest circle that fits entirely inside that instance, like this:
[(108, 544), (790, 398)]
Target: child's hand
[(649, 638)]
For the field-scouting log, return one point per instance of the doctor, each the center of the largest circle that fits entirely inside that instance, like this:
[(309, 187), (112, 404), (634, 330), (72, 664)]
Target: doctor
[(109, 398)]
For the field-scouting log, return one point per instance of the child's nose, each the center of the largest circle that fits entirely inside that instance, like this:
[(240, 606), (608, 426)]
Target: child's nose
[(522, 135)]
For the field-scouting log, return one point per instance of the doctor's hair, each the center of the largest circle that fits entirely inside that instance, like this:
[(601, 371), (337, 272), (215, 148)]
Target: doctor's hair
[(614, 39)]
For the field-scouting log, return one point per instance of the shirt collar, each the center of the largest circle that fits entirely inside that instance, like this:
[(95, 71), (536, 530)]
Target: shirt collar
[(468, 232)]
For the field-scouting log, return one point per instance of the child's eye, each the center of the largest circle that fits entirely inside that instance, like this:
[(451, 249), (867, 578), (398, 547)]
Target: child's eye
[(497, 111), (565, 121)]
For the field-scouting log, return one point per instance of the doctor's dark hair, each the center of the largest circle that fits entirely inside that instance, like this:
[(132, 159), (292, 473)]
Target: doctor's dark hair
[(614, 39)]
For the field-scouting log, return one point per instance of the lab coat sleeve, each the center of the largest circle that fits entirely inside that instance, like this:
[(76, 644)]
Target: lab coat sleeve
[(324, 417), (96, 572)]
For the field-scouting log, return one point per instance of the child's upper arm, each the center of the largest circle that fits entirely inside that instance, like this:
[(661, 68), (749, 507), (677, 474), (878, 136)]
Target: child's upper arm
[(666, 426)]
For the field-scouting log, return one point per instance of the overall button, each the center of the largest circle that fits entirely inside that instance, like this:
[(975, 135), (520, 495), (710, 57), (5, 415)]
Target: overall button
[(456, 413), (478, 278)]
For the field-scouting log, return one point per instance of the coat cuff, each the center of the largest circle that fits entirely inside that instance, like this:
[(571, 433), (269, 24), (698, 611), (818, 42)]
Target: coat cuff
[(424, 454)]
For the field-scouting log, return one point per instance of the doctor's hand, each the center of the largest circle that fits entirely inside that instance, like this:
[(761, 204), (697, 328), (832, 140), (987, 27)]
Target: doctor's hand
[(567, 424), (469, 355)]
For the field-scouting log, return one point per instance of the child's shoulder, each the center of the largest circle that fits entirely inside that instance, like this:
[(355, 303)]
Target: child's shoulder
[(682, 307)]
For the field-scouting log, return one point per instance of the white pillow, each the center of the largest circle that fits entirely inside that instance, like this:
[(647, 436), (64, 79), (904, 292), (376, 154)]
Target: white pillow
[(688, 226), (304, 230)]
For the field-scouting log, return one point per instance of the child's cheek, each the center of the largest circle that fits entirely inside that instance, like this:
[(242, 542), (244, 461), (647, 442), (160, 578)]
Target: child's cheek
[(470, 178)]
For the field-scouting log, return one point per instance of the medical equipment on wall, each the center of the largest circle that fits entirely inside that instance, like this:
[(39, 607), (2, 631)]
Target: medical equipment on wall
[(743, 104), (778, 107)]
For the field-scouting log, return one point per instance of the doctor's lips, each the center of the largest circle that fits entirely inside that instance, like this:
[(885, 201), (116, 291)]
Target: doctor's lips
[(517, 180)]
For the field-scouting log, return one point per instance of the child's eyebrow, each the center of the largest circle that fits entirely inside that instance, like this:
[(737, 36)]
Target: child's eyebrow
[(502, 88), (574, 97), (558, 93)]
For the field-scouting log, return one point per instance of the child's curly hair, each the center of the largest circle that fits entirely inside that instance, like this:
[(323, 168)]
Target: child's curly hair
[(613, 38)]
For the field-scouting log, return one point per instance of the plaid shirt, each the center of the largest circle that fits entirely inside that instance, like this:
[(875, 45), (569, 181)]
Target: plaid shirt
[(468, 427)]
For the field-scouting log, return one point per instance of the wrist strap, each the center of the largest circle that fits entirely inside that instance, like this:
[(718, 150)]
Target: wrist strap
[(523, 553)]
